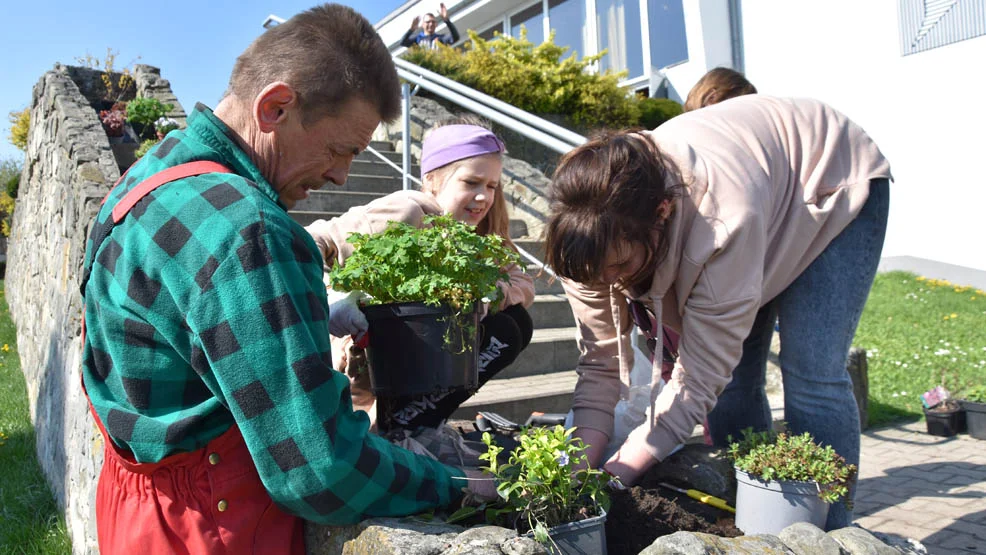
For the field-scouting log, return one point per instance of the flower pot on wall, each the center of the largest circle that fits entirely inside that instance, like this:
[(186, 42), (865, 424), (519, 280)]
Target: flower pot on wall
[(767, 507), (975, 418), (416, 349)]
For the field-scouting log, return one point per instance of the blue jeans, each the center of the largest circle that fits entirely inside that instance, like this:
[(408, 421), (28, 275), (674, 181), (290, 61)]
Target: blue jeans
[(818, 315)]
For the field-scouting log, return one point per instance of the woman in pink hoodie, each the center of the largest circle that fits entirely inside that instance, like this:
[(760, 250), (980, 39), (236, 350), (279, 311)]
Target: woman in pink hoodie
[(715, 224)]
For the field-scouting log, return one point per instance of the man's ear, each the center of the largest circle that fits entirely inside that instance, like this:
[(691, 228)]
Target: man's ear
[(272, 104)]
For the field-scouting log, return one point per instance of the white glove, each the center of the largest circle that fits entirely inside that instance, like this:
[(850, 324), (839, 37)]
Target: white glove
[(345, 317)]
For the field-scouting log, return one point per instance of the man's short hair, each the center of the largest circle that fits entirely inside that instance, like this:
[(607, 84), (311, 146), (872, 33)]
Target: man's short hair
[(328, 55)]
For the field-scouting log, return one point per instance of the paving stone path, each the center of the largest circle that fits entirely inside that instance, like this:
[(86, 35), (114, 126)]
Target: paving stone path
[(920, 486)]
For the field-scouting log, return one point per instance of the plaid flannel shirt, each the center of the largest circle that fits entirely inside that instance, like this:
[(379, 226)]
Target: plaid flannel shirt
[(205, 308)]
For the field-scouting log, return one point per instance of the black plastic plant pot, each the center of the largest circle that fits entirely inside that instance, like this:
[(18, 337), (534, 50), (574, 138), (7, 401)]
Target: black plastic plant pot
[(945, 423), (975, 417), (584, 537), (416, 349)]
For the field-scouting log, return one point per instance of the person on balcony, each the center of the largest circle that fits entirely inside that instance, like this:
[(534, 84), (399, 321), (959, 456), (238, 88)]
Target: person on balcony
[(206, 355), (716, 223), (461, 165), (427, 37)]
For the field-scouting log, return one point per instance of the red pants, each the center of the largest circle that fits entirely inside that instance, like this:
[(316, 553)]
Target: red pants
[(207, 501)]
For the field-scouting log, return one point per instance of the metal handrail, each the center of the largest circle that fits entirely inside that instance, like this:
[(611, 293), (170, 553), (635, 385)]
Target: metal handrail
[(526, 124), (572, 138)]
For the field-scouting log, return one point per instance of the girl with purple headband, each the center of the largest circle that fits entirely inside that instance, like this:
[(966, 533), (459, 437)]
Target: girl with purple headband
[(461, 164)]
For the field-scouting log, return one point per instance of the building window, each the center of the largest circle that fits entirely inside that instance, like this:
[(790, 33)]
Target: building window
[(567, 19), (532, 18), (618, 29), (666, 22), (927, 24)]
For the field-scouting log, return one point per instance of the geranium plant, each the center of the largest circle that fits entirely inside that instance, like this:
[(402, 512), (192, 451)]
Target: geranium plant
[(546, 482), (785, 457), (444, 262)]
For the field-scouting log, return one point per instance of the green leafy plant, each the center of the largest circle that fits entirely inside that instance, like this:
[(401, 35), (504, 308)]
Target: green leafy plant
[(546, 482), (976, 394), (143, 111), (541, 79), (145, 146), (10, 178), (781, 456), (655, 111), (444, 262)]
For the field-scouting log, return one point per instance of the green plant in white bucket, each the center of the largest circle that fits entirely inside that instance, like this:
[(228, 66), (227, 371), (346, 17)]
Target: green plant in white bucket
[(783, 479)]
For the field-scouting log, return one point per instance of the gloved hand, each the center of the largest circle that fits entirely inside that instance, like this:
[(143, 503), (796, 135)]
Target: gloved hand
[(345, 317), (481, 487)]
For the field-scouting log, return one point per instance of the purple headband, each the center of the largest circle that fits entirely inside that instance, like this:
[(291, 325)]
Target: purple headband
[(451, 143)]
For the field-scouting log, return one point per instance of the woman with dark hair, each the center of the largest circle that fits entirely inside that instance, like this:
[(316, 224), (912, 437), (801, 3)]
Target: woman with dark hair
[(715, 224)]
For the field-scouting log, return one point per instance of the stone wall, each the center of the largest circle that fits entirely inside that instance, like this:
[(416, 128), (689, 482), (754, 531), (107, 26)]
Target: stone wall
[(68, 169)]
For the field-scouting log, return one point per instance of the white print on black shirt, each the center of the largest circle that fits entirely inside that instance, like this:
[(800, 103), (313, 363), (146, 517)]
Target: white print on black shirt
[(421, 404)]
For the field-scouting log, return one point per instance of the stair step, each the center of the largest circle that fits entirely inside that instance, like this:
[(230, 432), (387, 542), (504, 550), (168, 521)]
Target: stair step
[(533, 246), (305, 217), (544, 283), (378, 168), (382, 145), (551, 311), (328, 200), (367, 183), (550, 350), (517, 398), (518, 228), (388, 153)]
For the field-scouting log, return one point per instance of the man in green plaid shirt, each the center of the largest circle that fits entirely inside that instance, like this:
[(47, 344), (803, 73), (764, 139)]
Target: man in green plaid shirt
[(206, 312)]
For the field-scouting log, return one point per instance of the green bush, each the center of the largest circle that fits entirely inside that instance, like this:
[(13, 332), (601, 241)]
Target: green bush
[(145, 146), (655, 111), (538, 79), (20, 124)]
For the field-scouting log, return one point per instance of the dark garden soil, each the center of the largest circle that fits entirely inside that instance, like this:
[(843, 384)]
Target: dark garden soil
[(639, 515)]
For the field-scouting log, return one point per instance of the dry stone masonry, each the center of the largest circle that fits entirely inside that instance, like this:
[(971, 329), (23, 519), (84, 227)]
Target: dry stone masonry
[(68, 169)]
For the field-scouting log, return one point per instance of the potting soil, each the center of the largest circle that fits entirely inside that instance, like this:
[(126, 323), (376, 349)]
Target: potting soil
[(639, 515)]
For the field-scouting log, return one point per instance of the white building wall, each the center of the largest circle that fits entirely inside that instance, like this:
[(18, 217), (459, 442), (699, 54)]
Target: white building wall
[(926, 111), (708, 36)]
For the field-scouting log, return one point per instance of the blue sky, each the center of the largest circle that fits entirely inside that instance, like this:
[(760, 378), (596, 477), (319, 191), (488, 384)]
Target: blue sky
[(193, 42)]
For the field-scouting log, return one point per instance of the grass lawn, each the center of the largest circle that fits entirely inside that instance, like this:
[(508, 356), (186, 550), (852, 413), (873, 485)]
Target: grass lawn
[(920, 333), (30, 521)]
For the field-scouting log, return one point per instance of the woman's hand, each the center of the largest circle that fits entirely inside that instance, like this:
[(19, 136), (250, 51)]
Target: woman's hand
[(629, 464)]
